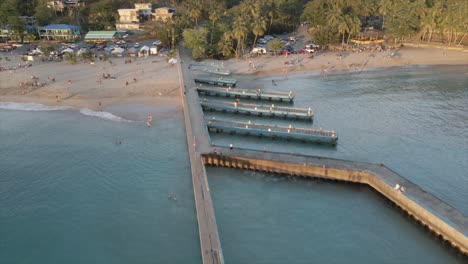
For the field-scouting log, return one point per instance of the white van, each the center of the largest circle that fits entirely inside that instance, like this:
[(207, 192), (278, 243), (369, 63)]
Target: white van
[(259, 50)]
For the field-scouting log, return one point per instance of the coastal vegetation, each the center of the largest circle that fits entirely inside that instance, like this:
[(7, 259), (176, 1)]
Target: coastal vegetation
[(223, 29)]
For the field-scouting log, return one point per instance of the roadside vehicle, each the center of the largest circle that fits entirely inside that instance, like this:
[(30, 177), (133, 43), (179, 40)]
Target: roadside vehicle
[(259, 50), (262, 41), (157, 43), (137, 45)]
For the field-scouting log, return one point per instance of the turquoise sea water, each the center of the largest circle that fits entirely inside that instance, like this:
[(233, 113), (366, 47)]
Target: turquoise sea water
[(415, 120), (69, 193)]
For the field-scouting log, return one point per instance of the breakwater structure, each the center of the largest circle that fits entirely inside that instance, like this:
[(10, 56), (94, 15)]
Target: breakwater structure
[(254, 94), (259, 110), (439, 217), (216, 81), (272, 131)]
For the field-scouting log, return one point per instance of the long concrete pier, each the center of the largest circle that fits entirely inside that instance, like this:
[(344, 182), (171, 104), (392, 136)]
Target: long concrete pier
[(439, 217), (197, 142)]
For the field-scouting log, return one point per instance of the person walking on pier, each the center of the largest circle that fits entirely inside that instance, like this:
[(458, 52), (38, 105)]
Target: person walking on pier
[(231, 146)]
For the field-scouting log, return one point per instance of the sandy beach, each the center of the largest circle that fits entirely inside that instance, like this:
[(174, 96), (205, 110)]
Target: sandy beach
[(154, 82), (150, 81)]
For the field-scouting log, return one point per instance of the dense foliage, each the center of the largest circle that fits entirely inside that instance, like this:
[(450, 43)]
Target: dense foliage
[(230, 27)]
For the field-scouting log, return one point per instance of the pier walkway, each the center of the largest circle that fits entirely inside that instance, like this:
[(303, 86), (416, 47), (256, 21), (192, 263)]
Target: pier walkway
[(260, 110), (216, 81), (209, 69), (198, 142), (289, 132), (248, 94)]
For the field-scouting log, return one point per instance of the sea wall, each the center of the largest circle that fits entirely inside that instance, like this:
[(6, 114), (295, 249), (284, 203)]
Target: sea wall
[(369, 174)]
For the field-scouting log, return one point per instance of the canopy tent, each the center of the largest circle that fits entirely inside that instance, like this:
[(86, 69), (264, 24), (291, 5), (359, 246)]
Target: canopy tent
[(100, 36), (144, 51)]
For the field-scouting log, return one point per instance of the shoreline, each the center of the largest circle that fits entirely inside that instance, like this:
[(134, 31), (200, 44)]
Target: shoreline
[(153, 82)]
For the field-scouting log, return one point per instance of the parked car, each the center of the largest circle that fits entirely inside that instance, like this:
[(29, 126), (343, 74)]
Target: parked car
[(292, 38), (259, 50), (268, 37), (289, 48), (137, 45), (285, 52), (121, 42), (157, 43), (262, 41), (72, 46)]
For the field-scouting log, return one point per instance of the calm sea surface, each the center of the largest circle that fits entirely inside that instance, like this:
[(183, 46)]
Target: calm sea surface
[(70, 194)]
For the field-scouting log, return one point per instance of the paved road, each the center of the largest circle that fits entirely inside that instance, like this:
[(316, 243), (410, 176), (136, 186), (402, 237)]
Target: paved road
[(198, 142)]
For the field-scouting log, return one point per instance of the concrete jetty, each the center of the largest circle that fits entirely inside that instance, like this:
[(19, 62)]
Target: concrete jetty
[(289, 132), (216, 81), (209, 69), (439, 217), (248, 94), (259, 110)]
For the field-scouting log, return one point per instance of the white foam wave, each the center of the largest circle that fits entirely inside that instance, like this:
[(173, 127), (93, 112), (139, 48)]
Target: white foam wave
[(103, 115), (30, 107)]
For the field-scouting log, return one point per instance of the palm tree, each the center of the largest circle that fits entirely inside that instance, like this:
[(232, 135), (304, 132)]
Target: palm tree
[(354, 25), (258, 27), (343, 28), (239, 31), (272, 14), (216, 12), (194, 10), (386, 7), (225, 45)]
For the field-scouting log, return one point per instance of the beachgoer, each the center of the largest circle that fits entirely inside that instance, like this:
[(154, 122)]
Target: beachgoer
[(231, 146), (134, 79), (126, 83)]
